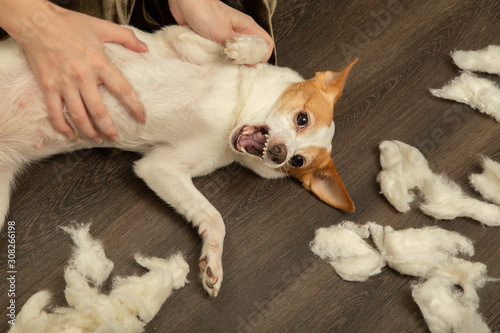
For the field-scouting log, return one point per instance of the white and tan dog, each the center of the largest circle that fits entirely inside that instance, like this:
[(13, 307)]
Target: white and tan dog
[(203, 112)]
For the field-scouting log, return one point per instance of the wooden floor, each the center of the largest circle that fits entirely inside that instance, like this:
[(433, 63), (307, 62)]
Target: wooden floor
[(272, 281)]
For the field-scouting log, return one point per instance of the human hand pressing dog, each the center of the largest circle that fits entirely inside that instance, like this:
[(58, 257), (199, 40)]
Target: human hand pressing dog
[(66, 54)]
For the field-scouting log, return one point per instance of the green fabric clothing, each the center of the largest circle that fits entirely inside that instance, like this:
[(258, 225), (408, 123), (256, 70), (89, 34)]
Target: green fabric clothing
[(150, 15)]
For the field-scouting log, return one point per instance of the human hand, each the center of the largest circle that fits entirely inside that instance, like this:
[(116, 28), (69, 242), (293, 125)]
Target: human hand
[(214, 20), (69, 62)]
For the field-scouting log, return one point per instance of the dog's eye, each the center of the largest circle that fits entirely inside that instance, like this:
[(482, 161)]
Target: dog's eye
[(302, 119), (297, 161)]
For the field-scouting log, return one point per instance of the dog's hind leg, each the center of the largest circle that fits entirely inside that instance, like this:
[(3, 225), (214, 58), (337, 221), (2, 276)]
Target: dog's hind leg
[(168, 177), (191, 47), (187, 45), (7, 173)]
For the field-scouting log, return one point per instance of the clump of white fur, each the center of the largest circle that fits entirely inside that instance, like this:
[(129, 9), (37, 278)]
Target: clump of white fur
[(486, 60), (132, 303), (88, 255), (419, 252), (481, 94), (445, 200), (488, 183), (430, 253), (445, 309), (405, 169), (351, 257)]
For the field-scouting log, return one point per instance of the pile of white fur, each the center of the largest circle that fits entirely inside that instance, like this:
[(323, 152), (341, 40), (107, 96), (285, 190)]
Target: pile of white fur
[(429, 253), (479, 93), (130, 305), (406, 173)]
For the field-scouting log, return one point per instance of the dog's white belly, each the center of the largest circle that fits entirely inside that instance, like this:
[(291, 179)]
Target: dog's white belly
[(190, 108), (180, 106)]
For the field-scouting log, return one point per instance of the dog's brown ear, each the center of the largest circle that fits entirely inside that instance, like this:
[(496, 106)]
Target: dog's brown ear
[(326, 184), (332, 83)]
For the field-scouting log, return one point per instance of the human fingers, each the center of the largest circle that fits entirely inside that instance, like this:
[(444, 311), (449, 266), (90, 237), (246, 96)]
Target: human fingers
[(54, 104), (110, 76), (113, 33), (49, 80), (76, 84), (97, 110), (114, 81), (78, 113)]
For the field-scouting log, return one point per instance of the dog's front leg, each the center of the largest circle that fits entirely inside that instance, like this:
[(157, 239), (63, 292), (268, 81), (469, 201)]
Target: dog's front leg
[(169, 178)]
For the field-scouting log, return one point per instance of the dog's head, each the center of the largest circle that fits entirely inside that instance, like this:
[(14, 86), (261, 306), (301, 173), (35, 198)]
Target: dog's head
[(296, 137)]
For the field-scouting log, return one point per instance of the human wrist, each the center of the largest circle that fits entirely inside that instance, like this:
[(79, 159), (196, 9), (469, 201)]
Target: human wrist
[(23, 20)]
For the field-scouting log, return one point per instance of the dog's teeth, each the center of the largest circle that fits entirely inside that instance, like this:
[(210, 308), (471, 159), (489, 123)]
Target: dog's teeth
[(245, 132), (243, 150), (267, 136)]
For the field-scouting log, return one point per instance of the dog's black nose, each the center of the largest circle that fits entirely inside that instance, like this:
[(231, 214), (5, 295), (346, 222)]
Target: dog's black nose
[(277, 153)]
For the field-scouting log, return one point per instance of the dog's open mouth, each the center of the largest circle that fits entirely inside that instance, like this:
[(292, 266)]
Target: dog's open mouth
[(252, 140)]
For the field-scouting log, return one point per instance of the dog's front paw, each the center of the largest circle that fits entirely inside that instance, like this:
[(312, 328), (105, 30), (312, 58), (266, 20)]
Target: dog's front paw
[(211, 269), (247, 49)]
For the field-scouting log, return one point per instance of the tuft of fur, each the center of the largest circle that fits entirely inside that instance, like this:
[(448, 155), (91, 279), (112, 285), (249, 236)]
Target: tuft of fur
[(404, 168), (486, 60), (88, 256), (419, 252), (488, 182), (481, 94), (131, 304), (351, 257), (445, 200), (144, 295), (445, 309), (32, 317)]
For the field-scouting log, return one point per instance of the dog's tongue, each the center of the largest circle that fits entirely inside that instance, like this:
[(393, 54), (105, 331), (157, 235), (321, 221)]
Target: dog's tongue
[(255, 140), (259, 139)]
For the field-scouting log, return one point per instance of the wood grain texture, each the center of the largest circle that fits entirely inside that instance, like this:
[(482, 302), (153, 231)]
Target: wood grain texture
[(272, 281)]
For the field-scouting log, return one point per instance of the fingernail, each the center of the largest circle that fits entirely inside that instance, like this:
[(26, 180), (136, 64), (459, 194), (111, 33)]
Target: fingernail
[(69, 135), (97, 139), (143, 46), (142, 118), (114, 138)]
